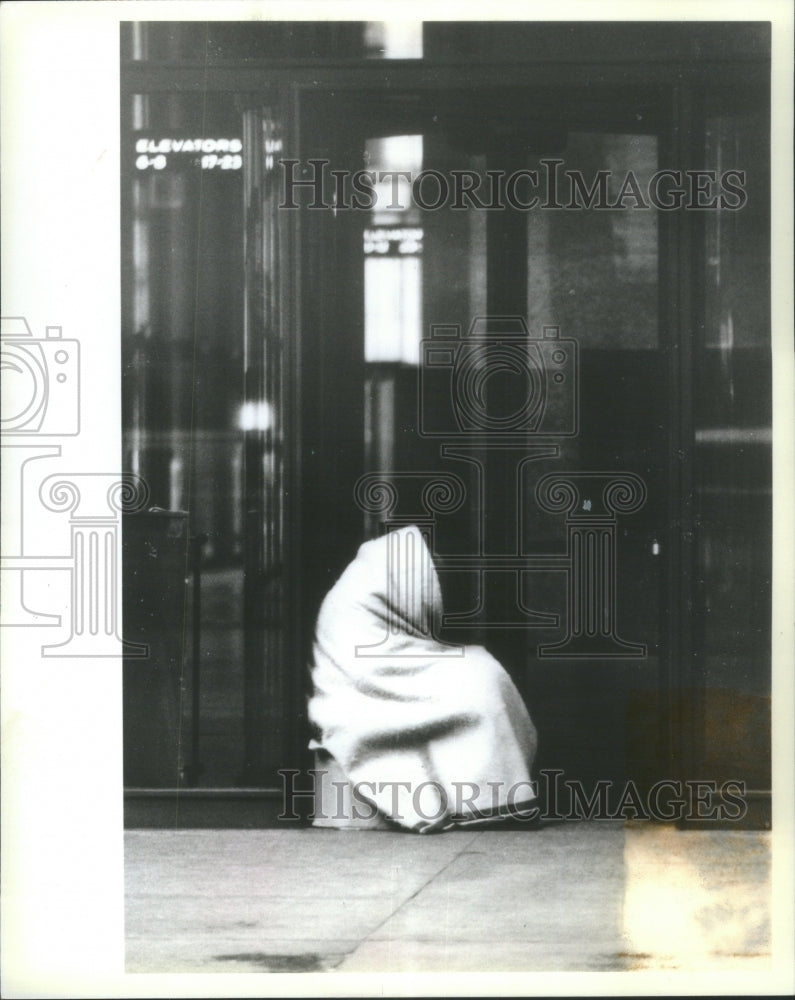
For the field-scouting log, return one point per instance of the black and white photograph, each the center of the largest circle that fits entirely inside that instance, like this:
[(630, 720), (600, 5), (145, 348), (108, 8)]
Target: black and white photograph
[(397, 463)]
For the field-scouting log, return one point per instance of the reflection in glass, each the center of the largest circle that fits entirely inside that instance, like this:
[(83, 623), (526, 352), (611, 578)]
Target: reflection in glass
[(393, 39), (593, 270), (183, 422), (393, 298), (733, 458)]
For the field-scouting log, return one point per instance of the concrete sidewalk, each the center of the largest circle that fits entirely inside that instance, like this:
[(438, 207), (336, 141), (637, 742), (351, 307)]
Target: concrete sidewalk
[(585, 896)]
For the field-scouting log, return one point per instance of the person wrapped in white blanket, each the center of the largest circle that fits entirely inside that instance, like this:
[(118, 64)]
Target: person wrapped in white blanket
[(432, 736)]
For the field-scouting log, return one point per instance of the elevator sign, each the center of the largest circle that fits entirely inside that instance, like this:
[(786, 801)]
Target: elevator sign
[(207, 154)]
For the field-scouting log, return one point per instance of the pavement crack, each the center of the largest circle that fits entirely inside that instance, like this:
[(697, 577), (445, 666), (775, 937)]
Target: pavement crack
[(416, 892)]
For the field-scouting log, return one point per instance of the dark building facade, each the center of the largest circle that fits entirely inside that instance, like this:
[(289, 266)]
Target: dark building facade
[(508, 281)]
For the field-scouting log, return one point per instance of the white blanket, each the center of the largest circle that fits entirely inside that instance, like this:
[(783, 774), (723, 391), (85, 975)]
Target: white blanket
[(433, 735)]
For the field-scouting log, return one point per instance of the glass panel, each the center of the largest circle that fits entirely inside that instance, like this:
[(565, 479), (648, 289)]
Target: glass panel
[(392, 253), (265, 364), (733, 458), (591, 267), (185, 417), (393, 39), (393, 303), (592, 272), (213, 42), (393, 297), (738, 242)]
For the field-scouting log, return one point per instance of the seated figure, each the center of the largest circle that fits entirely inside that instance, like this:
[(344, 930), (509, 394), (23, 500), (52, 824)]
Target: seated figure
[(428, 736)]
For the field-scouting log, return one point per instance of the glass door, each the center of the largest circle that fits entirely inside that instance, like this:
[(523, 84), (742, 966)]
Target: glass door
[(205, 414), (513, 358)]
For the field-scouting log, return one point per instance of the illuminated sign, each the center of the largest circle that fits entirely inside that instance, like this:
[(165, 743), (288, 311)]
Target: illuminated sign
[(397, 241), (208, 154)]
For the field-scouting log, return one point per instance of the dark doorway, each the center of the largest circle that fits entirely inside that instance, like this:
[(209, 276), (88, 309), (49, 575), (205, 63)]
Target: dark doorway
[(282, 362), (585, 278)]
